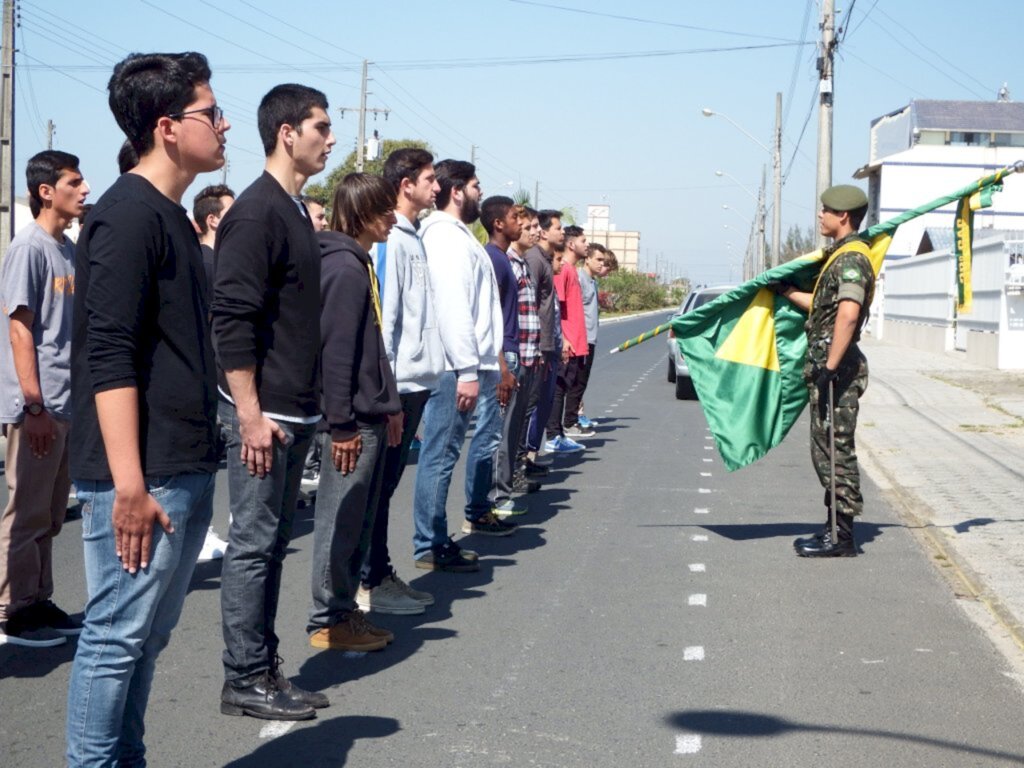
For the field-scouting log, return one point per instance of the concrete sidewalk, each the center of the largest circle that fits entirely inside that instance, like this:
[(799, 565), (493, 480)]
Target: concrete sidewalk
[(944, 439)]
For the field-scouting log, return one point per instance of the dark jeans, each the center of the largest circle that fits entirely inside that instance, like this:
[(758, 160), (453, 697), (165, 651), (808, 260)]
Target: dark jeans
[(377, 564), (574, 397), (263, 512), (342, 525), (568, 374), (511, 433), (539, 408)]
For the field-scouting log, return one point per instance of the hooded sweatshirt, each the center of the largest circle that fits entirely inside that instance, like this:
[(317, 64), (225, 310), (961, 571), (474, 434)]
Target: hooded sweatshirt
[(411, 338), (357, 383), (468, 308)]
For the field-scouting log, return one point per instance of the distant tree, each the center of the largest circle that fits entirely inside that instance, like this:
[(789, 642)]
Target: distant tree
[(798, 242), (324, 190)]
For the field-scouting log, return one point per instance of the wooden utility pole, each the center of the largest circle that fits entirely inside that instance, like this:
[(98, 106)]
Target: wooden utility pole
[(7, 128), (362, 110), (472, 153), (50, 129), (826, 59), (536, 195)]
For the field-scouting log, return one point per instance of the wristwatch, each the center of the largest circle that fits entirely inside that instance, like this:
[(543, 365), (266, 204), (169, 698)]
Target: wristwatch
[(34, 409)]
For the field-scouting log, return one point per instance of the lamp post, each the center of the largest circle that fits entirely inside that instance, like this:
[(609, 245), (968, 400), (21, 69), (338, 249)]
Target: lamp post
[(776, 153)]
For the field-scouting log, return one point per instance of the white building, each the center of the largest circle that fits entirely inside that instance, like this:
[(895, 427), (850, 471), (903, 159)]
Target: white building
[(929, 148), (625, 244)]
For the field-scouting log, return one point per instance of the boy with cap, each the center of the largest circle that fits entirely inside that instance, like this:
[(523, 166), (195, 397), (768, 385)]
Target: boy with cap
[(837, 310)]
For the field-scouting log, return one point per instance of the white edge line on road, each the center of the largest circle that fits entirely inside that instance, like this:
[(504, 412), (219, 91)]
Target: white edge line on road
[(693, 653), (697, 599), (697, 568), (275, 729), (687, 743)]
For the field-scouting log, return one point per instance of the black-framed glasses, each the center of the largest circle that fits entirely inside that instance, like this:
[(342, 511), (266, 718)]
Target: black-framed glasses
[(215, 113)]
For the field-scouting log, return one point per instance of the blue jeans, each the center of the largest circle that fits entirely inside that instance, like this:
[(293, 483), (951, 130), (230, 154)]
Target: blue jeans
[(262, 515), (129, 618), (342, 525), (444, 429)]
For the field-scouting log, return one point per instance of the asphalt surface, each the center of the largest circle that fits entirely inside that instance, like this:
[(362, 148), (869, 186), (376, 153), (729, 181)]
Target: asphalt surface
[(649, 612)]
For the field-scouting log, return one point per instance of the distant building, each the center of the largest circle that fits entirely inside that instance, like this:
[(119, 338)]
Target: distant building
[(928, 148), (599, 229)]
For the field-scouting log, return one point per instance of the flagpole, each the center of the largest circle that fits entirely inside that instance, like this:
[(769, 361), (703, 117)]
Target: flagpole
[(877, 229)]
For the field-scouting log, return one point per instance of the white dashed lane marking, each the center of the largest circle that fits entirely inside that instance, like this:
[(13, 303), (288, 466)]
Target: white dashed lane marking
[(275, 729), (687, 743), (700, 510), (697, 568), (693, 653), (699, 537), (697, 599), (705, 474)]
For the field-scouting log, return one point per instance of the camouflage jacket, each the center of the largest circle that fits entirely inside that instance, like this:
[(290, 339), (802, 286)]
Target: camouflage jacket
[(849, 276)]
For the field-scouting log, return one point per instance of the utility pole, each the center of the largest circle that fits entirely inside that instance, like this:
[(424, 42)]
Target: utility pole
[(472, 153), (777, 192), (761, 266), (536, 195), (7, 128), (826, 59), (362, 110), (224, 171), (50, 129)]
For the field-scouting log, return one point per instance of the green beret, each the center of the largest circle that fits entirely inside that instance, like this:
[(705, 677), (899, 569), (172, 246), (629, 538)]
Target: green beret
[(844, 197)]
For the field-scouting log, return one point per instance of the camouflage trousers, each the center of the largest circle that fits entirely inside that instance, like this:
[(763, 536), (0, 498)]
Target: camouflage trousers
[(848, 388)]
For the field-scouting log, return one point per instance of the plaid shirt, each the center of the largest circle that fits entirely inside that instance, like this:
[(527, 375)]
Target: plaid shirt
[(529, 321)]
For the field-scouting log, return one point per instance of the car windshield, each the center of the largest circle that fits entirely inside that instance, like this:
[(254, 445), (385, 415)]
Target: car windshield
[(695, 300)]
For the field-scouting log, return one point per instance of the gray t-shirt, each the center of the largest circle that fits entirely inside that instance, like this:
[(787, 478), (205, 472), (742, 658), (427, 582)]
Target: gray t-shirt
[(38, 273), (588, 287)]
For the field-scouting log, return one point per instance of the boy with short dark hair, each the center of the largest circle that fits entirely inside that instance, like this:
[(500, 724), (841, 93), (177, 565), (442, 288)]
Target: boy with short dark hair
[(143, 451)]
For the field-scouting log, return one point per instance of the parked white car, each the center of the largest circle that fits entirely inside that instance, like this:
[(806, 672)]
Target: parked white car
[(678, 371)]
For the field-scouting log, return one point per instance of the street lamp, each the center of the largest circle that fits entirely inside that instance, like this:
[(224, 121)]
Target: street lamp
[(776, 153), (758, 219), (738, 183)]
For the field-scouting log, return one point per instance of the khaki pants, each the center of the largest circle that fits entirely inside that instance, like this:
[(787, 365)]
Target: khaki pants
[(38, 500)]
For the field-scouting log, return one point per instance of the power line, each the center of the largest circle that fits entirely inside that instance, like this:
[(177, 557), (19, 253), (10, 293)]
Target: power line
[(862, 19), (639, 20), (791, 92), (62, 72)]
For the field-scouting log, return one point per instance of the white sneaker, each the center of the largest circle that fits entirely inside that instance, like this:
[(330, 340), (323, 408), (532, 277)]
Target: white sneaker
[(420, 597), (386, 597), (213, 548)]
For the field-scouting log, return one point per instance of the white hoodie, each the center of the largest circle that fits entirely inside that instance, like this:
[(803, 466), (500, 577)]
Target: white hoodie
[(465, 296)]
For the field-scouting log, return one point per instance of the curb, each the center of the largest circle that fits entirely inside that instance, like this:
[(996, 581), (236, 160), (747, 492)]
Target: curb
[(622, 318)]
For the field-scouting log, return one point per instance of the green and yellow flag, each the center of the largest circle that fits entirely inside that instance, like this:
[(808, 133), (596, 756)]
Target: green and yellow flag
[(745, 350)]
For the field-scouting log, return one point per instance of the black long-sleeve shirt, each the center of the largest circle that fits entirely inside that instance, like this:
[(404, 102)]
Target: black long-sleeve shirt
[(358, 384), (141, 321), (266, 298)]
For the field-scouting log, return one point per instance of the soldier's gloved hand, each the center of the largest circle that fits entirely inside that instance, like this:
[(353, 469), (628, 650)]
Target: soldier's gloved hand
[(822, 379)]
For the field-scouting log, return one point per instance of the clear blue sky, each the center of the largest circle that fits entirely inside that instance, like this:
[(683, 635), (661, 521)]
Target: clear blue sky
[(626, 131)]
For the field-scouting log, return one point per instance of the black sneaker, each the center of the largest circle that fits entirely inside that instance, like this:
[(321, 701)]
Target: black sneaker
[(23, 628), (448, 557), (489, 524), (522, 484), (47, 614), (533, 469)]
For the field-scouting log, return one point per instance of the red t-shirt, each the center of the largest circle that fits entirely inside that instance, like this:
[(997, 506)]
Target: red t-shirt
[(570, 302)]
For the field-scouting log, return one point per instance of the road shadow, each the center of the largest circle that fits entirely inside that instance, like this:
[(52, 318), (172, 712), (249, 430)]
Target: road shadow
[(746, 724), (325, 744), (17, 661), (327, 669)]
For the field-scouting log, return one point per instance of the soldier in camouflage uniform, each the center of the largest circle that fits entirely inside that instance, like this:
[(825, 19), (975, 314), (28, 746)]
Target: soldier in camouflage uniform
[(837, 310)]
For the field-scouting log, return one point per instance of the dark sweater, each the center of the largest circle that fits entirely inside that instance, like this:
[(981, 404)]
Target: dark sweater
[(508, 292), (266, 298), (140, 321), (358, 385)]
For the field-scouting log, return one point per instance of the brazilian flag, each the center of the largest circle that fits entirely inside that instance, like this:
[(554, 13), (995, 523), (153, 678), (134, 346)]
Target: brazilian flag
[(746, 349)]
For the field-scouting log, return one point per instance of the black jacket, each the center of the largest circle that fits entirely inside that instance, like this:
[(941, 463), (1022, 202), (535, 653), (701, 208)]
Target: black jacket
[(357, 385), (265, 308)]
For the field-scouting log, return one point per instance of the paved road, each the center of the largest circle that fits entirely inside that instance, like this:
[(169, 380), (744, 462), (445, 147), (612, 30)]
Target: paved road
[(649, 613)]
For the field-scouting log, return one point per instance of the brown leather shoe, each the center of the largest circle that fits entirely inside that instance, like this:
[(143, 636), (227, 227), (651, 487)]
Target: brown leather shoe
[(347, 635)]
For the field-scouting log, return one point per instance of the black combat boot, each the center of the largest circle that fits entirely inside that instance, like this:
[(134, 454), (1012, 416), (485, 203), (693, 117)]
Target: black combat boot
[(260, 696), (817, 536), (844, 546)]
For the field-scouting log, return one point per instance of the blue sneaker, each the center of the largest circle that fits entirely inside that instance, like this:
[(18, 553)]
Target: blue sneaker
[(561, 444), (584, 422)]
